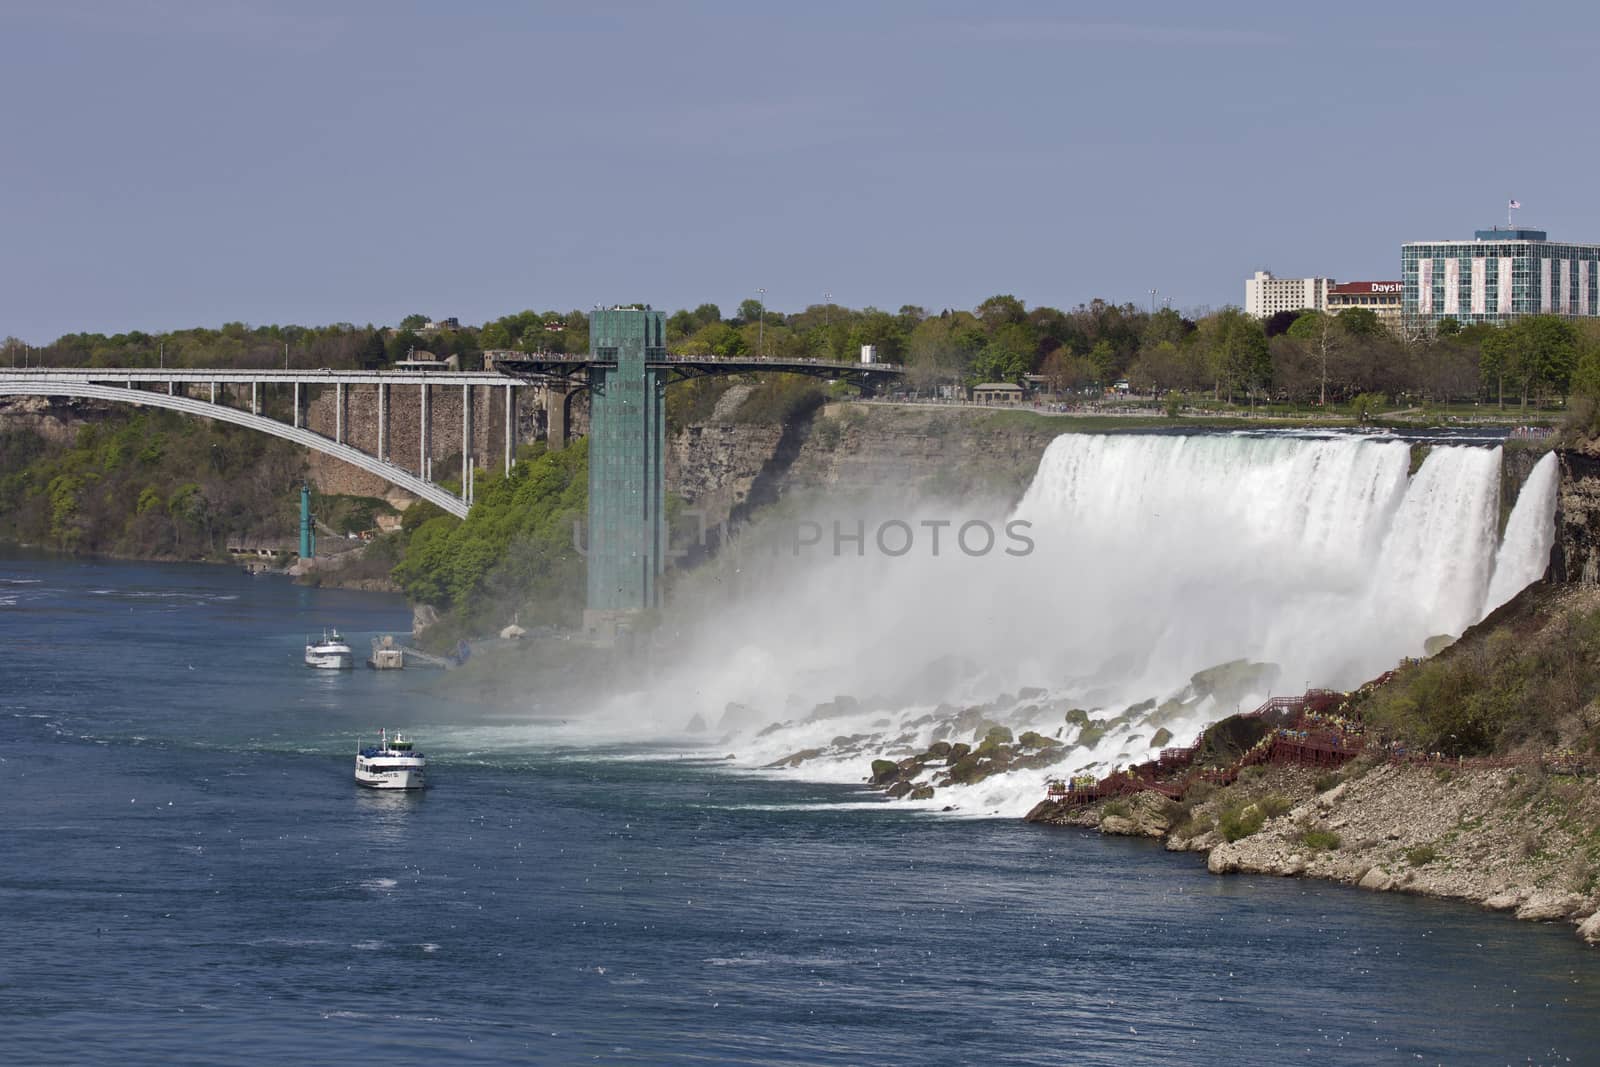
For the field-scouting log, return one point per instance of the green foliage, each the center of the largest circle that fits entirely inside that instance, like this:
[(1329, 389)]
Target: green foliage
[(1240, 358), (1326, 782), (1421, 855), (1237, 823), (1116, 808), (513, 553), (1365, 406), (1495, 692), (693, 401), (1274, 805), (150, 484), (780, 398), (350, 514), (1321, 840)]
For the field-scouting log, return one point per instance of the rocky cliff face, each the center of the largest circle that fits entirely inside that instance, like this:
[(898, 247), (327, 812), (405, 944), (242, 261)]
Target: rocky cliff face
[(1576, 557), (56, 419), (727, 469)]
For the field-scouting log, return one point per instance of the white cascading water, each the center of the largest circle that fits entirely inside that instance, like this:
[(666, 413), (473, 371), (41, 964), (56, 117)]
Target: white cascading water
[(1530, 534), (1155, 556)]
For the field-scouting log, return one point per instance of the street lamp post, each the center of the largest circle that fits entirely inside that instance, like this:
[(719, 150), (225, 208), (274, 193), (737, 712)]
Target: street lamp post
[(761, 328), (1152, 301)]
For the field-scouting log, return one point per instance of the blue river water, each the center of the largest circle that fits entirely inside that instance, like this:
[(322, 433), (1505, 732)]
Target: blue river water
[(188, 874)]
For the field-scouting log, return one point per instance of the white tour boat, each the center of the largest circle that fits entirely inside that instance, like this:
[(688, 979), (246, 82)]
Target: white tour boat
[(394, 763), (331, 653)]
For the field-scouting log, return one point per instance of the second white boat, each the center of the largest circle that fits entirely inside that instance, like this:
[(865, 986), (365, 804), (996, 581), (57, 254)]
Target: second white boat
[(332, 653)]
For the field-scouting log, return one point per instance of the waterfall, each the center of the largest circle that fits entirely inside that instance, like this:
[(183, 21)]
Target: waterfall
[(1154, 556), (1530, 534), (1321, 555)]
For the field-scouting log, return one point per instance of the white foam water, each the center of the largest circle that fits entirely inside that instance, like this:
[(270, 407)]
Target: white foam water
[(1155, 556)]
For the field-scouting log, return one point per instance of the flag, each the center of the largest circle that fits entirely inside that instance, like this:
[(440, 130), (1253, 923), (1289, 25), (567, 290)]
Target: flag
[(1515, 203)]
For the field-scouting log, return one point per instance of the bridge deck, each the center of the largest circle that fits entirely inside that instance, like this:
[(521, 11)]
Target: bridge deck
[(563, 363), (220, 375)]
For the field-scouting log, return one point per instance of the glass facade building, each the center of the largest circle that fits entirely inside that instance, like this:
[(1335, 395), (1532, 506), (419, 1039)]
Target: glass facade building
[(1498, 276)]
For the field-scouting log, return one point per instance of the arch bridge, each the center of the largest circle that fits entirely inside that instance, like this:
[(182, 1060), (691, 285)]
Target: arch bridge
[(626, 372), (220, 395)]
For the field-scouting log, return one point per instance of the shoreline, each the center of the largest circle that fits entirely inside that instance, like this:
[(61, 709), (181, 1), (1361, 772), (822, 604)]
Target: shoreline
[(22, 550), (1505, 840)]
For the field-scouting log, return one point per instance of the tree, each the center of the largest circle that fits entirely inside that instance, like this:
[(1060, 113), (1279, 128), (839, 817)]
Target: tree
[(400, 345), (414, 322), (1106, 362), (373, 353), (1360, 322), (1166, 325), (941, 349), (882, 329), (750, 310), (1066, 372), (716, 339), (1001, 309), (1494, 361), (494, 335), (1280, 321), (1541, 352), (1324, 336), (1586, 367), (1236, 348), (1364, 406), (1008, 356)]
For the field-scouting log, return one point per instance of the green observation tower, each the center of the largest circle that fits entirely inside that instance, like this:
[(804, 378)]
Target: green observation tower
[(627, 370), (627, 437)]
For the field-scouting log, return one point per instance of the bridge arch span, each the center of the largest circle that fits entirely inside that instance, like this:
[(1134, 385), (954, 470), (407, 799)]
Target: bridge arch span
[(399, 476)]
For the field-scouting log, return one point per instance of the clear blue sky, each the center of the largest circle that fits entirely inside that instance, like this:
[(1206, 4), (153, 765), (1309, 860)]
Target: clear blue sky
[(169, 163)]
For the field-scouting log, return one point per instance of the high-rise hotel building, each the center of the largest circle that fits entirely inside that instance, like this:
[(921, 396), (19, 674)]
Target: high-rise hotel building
[(1266, 294), (1498, 276)]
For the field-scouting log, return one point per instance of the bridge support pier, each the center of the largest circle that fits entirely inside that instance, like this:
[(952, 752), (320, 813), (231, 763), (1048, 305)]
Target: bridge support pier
[(383, 421), (466, 437), (255, 398), (297, 408), (338, 412), (556, 396), (425, 446), (213, 392), (511, 426)]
